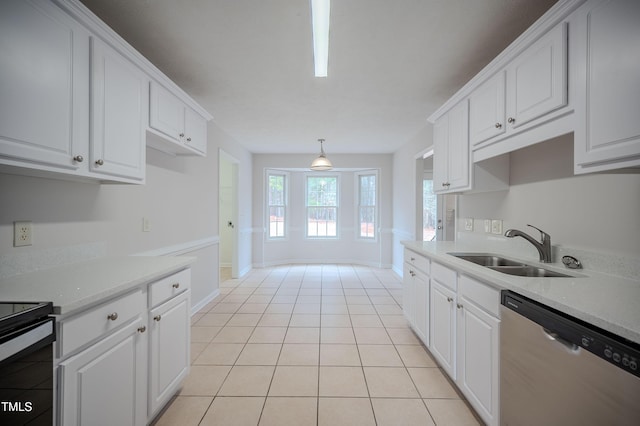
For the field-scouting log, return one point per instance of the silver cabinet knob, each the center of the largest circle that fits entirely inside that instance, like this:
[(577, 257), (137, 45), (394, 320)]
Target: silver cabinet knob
[(459, 305), (449, 299), (182, 135), (78, 158), (112, 316), (99, 162), (188, 139), (413, 258), (511, 120), (157, 318), (176, 285), (142, 329), (498, 125)]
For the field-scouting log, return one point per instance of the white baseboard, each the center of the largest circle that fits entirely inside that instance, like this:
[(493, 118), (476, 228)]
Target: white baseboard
[(195, 308)]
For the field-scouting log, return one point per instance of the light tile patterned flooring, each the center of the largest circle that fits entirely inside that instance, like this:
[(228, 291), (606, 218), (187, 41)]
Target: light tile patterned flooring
[(312, 345)]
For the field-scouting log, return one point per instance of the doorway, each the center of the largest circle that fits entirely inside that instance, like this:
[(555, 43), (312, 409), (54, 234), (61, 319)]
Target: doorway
[(228, 216), (435, 215)]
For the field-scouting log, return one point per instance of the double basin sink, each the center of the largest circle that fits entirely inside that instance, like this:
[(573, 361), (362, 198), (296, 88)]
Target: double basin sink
[(508, 266)]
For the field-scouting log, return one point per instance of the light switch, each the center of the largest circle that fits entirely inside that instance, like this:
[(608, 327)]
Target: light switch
[(496, 226), (487, 225), (468, 224)]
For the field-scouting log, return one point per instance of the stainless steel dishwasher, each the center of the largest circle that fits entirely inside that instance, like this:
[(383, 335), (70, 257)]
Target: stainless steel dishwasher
[(557, 370)]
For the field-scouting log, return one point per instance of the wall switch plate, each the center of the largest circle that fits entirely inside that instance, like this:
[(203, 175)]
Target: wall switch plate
[(487, 225), (496, 226), (146, 224), (22, 234), (468, 224)]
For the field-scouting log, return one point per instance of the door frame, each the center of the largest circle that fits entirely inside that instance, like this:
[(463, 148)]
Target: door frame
[(235, 254)]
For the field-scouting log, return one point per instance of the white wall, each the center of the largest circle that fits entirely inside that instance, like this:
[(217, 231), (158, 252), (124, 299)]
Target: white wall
[(347, 248), (595, 212), (180, 199), (404, 192)]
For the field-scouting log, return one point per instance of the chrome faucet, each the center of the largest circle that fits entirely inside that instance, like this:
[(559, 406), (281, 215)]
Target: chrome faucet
[(543, 247)]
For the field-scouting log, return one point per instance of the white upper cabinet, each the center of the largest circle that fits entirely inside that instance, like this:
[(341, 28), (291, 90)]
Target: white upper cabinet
[(532, 86), (175, 127), (119, 111), (487, 110), (451, 150), (44, 90), (537, 79), (607, 134)]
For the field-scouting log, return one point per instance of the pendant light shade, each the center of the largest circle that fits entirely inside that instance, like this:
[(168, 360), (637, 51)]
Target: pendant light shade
[(321, 163)]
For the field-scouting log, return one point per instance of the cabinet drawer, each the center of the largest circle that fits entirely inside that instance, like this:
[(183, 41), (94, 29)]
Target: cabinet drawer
[(484, 296), (99, 321), (417, 261), (444, 275), (168, 287)]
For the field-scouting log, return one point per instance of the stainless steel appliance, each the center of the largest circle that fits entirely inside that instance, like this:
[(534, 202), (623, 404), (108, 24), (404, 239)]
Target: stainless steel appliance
[(27, 333), (557, 370)]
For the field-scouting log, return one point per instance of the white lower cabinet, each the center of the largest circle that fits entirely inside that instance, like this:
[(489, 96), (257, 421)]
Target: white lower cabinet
[(464, 335), (478, 346), (168, 349), (105, 384), (119, 363), (443, 326), (415, 296)]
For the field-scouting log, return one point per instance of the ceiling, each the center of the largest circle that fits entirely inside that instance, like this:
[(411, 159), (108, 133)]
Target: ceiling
[(250, 63)]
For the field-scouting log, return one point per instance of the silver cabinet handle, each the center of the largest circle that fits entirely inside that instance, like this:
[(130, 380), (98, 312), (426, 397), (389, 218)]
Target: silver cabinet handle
[(413, 274), (498, 125), (182, 135), (78, 158), (449, 299), (459, 305), (413, 258), (142, 329), (188, 139), (157, 318), (176, 285), (112, 316), (511, 120), (99, 162)]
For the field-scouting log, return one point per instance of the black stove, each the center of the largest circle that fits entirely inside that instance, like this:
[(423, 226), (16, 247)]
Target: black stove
[(27, 333)]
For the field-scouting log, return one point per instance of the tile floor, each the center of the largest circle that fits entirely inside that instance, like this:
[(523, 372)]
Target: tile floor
[(312, 345)]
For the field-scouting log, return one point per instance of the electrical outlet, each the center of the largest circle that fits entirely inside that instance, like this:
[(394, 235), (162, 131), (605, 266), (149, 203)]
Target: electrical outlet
[(487, 225), (22, 234), (146, 224), (468, 224), (496, 226)]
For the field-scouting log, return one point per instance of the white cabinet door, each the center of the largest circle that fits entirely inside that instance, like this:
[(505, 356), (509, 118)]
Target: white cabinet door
[(119, 114), (443, 331), (169, 344), (106, 383), (195, 130), (537, 79), (421, 297), (451, 167), (478, 359), (458, 161), (608, 127), (44, 90), (408, 293), (166, 113), (487, 110)]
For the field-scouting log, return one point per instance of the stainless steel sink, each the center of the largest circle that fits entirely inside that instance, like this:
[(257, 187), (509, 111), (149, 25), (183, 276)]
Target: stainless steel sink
[(486, 259), (528, 271), (508, 266)]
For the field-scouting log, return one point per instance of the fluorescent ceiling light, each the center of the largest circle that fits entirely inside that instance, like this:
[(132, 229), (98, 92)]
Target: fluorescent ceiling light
[(320, 21)]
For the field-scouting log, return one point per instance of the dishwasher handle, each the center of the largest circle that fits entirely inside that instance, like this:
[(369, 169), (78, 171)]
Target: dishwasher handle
[(570, 346)]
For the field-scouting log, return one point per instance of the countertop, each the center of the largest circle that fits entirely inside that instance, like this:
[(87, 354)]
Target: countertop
[(606, 301), (77, 286)]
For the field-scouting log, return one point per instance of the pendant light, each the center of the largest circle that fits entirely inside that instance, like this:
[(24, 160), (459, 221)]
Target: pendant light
[(321, 163)]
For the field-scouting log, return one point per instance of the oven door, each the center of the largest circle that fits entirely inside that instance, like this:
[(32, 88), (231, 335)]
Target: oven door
[(26, 374)]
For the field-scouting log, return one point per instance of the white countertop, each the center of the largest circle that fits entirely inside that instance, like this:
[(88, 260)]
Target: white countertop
[(606, 301), (77, 286)]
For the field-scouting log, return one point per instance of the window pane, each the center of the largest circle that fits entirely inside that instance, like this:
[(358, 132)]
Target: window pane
[(276, 207), (322, 202), (321, 222), (276, 190), (367, 222), (366, 209), (276, 221), (429, 211)]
